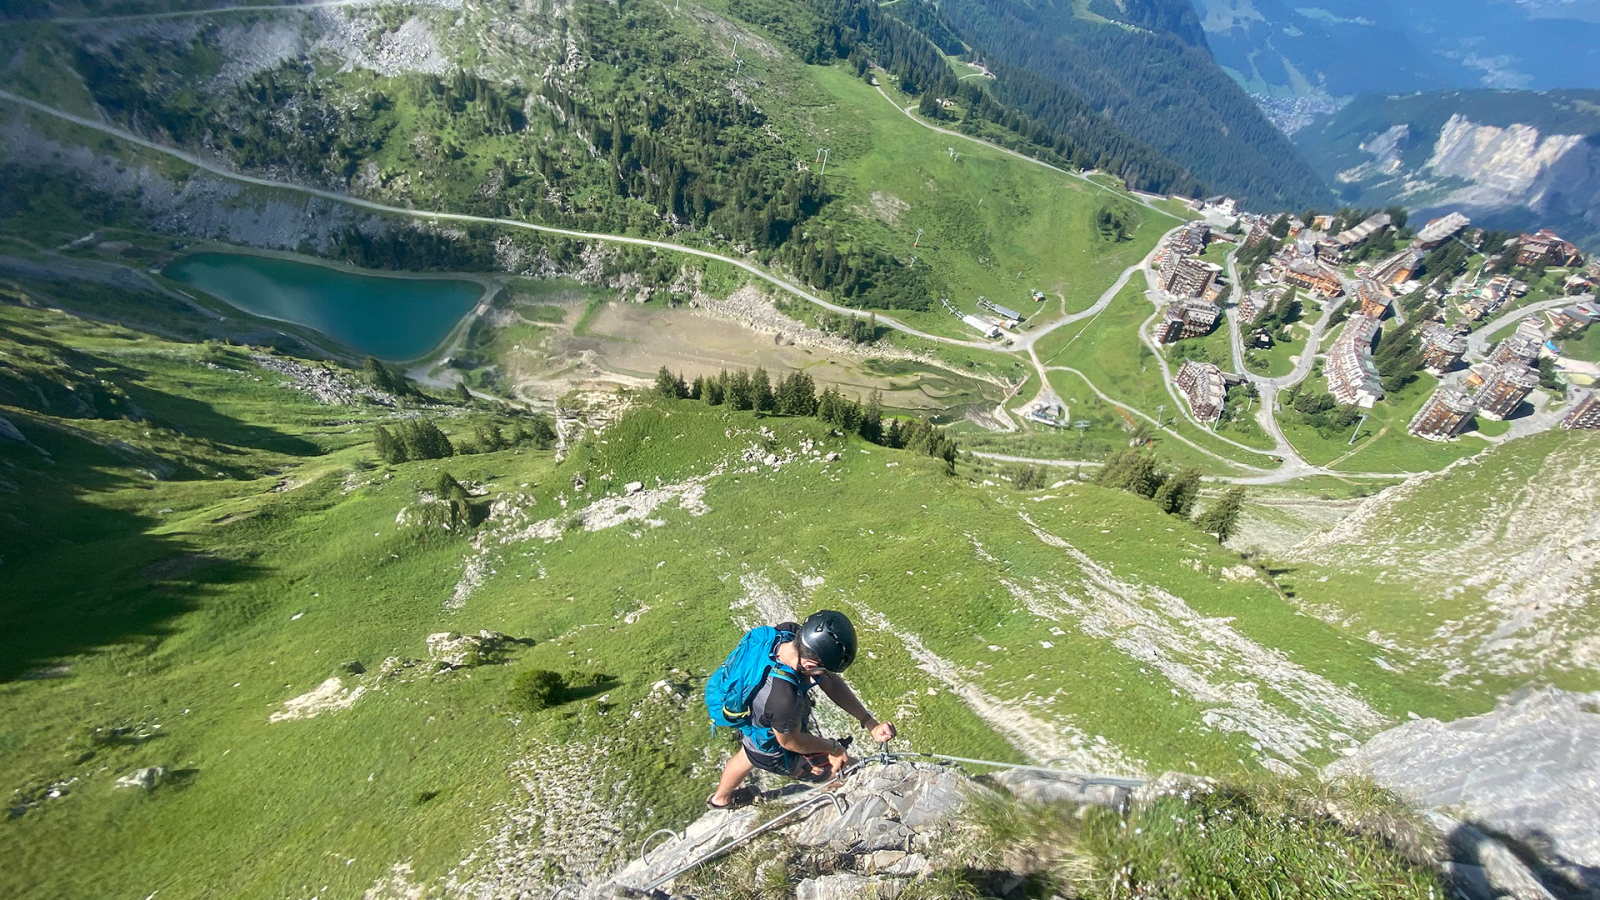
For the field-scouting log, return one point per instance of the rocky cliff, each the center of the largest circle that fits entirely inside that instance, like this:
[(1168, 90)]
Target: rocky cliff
[(1512, 159), (1520, 784)]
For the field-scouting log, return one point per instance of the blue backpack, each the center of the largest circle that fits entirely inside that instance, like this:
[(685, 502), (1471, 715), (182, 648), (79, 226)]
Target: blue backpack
[(730, 689)]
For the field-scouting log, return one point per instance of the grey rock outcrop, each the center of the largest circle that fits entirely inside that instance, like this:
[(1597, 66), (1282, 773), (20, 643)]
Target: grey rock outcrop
[(453, 650), (890, 823), (1530, 769), (886, 820), (1047, 787), (144, 779), (1525, 776)]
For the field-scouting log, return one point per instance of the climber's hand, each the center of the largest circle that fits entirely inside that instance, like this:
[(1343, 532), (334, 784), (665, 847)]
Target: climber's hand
[(882, 732), (838, 758)]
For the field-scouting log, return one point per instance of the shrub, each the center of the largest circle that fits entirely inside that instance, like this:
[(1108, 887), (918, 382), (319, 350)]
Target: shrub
[(536, 689)]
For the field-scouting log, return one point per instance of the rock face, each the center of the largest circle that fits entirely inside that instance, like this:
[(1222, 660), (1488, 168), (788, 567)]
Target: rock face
[(1520, 159), (1516, 166), (1043, 787), (887, 827), (1529, 770), (885, 820)]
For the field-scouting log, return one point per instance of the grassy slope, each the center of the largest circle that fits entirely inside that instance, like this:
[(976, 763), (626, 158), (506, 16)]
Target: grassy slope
[(1108, 351), (1278, 359), (188, 587), (1586, 347), (1384, 444), (1434, 570), (993, 226)]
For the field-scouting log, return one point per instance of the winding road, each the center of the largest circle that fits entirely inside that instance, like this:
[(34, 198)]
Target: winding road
[(1293, 465), (225, 172)]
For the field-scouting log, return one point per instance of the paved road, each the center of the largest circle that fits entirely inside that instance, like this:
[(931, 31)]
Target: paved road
[(1478, 342), (225, 172), (1293, 468)]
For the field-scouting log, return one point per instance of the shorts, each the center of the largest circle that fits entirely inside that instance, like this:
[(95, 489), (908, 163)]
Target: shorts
[(779, 761)]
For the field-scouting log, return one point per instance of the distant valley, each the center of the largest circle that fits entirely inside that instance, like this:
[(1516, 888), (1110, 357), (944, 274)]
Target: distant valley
[(1343, 48)]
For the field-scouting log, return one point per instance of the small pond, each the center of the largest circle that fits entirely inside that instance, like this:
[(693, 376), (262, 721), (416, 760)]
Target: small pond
[(392, 317)]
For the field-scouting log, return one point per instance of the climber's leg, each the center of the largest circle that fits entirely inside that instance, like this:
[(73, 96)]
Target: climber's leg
[(733, 774)]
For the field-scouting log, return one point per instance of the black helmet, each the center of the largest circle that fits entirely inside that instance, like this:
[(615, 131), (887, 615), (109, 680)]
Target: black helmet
[(830, 639)]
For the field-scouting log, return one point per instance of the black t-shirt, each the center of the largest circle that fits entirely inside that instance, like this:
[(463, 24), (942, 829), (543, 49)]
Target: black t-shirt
[(778, 704)]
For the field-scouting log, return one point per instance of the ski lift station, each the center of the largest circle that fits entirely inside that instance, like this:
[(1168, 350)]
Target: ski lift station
[(984, 327), (1012, 317), (1047, 413)]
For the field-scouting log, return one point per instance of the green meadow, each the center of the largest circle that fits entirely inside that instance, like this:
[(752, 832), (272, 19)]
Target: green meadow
[(235, 543)]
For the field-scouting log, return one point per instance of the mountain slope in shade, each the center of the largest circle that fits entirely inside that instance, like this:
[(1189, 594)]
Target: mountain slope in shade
[(1145, 65)]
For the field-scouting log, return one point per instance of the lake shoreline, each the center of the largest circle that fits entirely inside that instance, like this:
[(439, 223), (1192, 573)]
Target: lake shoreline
[(409, 320)]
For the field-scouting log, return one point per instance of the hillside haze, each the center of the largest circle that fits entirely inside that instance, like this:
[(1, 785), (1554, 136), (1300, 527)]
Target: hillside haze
[(1348, 47), (1509, 159)]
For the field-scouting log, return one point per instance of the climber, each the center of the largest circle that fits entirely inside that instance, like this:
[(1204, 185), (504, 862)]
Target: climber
[(763, 690)]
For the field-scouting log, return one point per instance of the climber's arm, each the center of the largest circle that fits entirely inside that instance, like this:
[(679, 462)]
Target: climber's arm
[(846, 699)]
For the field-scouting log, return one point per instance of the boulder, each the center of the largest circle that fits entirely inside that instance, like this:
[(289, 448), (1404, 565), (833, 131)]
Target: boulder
[(144, 779), (633, 487), (1050, 787), (453, 650), (1528, 770), (353, 667), (835, 456)]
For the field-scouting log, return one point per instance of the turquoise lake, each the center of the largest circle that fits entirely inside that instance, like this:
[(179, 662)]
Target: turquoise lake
[(390, 317)]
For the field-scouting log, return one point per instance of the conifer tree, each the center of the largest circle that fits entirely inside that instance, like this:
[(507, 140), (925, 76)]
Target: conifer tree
[(893, 437), (715, 389), (761, 392), (1223, 515), (1133, 472), (741, 391), (872, 418), (1177, 494), (424, 440), (386, 446), (669, 385), (544, 436)]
